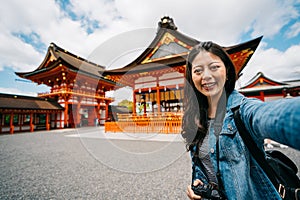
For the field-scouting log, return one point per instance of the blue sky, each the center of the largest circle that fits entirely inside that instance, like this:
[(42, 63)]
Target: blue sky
[(28, 27)]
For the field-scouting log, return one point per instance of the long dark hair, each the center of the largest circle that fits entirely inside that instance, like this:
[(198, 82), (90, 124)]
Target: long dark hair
[(195, 117)]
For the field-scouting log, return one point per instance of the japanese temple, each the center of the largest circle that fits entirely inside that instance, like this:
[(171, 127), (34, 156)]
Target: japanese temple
[(157, 80), (78, 88), (266, 89), (76, 84), (157, 75)]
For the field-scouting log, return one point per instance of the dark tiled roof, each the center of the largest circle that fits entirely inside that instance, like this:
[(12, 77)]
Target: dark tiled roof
[(137, 66), (60, 55), (78, 63), (9, 101), (261, 75)]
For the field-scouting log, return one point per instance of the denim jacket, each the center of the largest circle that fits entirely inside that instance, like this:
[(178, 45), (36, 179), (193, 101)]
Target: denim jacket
[(241, 176)]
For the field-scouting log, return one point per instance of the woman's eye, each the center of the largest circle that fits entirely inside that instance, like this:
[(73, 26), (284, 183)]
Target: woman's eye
[(198, 71), (214, 67)]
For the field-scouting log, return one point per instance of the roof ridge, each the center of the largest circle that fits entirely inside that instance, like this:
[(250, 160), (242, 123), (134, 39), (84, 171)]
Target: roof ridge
[(56, 48)]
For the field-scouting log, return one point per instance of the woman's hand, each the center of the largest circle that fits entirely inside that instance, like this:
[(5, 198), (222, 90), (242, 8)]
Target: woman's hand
[(190, 193)]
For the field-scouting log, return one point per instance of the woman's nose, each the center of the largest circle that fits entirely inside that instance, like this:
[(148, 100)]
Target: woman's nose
[(206, 74)]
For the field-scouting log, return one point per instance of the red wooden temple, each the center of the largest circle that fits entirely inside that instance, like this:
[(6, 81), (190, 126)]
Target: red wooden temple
[(76, 84), (157, 78)]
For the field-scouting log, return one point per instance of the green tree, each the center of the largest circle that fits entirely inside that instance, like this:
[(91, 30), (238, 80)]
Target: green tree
[(126, 103)]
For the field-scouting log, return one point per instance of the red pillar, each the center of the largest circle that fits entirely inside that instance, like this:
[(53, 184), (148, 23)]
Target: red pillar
[(31, 123), (66, 114), (157, 95), (11, 129), (47, 122), (134, 104), (158, 100), (98, 112), (262, 95), (106, 110), (78, 116)]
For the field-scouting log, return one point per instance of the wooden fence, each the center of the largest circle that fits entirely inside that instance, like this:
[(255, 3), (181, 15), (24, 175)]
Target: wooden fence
[(144, 126), (166, 122)]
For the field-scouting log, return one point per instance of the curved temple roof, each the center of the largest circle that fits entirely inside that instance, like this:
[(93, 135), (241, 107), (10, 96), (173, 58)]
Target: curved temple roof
[(8, 101), (170, 49)]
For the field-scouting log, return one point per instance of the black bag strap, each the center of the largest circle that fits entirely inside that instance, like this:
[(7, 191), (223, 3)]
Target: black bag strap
[(257, 153), (220, 114)]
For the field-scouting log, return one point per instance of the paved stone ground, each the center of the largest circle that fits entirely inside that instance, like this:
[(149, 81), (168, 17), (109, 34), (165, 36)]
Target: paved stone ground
[(52, 165), (87, 164)]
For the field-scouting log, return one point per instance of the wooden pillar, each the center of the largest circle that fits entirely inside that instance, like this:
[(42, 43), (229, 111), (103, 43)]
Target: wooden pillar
[(145, 108), (55, 120), (157, 95), (66, 114), (66, 111), (262, 95), (11, 124), (31, 122), (78, 116), (98, 112), (47, 122), (60, 121), (106, 110), (134, 104)]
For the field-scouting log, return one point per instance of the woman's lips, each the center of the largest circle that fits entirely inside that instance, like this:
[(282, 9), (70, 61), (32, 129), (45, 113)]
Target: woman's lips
[(208, 86)]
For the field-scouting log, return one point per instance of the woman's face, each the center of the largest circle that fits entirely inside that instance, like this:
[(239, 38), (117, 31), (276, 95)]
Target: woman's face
[(208, 74)]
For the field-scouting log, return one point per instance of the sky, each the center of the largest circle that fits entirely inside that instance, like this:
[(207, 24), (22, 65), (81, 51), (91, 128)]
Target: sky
[(27, 27)]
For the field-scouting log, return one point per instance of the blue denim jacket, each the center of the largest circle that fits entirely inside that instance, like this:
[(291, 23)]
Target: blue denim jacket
[(241, 176)]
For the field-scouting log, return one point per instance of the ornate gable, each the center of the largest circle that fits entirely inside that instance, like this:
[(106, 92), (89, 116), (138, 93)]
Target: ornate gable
[(169, 46), (261, 81)]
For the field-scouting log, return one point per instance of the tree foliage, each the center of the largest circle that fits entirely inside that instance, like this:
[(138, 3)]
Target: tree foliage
[(127, 103)]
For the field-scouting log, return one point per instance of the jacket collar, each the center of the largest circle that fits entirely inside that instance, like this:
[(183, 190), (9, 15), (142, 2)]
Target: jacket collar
[(235, 99)]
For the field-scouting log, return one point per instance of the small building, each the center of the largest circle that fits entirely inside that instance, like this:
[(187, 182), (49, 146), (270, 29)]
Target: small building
[(23, 113), (267, 89)]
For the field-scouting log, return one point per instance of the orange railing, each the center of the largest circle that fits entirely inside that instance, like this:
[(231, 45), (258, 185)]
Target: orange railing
[(163, 116), (163, 123), (144, 127)]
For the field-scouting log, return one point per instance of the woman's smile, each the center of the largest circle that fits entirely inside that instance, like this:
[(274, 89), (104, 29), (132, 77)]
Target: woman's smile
[(209, 86), (209, 74)]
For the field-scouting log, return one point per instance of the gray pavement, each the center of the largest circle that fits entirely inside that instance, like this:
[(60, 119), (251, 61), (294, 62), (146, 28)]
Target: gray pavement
[(87, 163), (74, 164)]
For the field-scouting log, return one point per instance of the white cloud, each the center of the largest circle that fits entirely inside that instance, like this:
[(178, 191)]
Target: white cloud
[(17, 54), (275, 64), (221, 21), (270, 16), (120, 94), (17, 91), (294, 30), (108, 10)]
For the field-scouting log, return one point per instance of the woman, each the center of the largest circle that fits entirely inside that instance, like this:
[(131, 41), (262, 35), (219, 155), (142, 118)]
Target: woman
[(208, 120)]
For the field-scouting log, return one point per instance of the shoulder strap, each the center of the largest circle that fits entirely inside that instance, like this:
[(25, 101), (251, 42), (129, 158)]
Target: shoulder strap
[(220, 114), (257, 153)]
